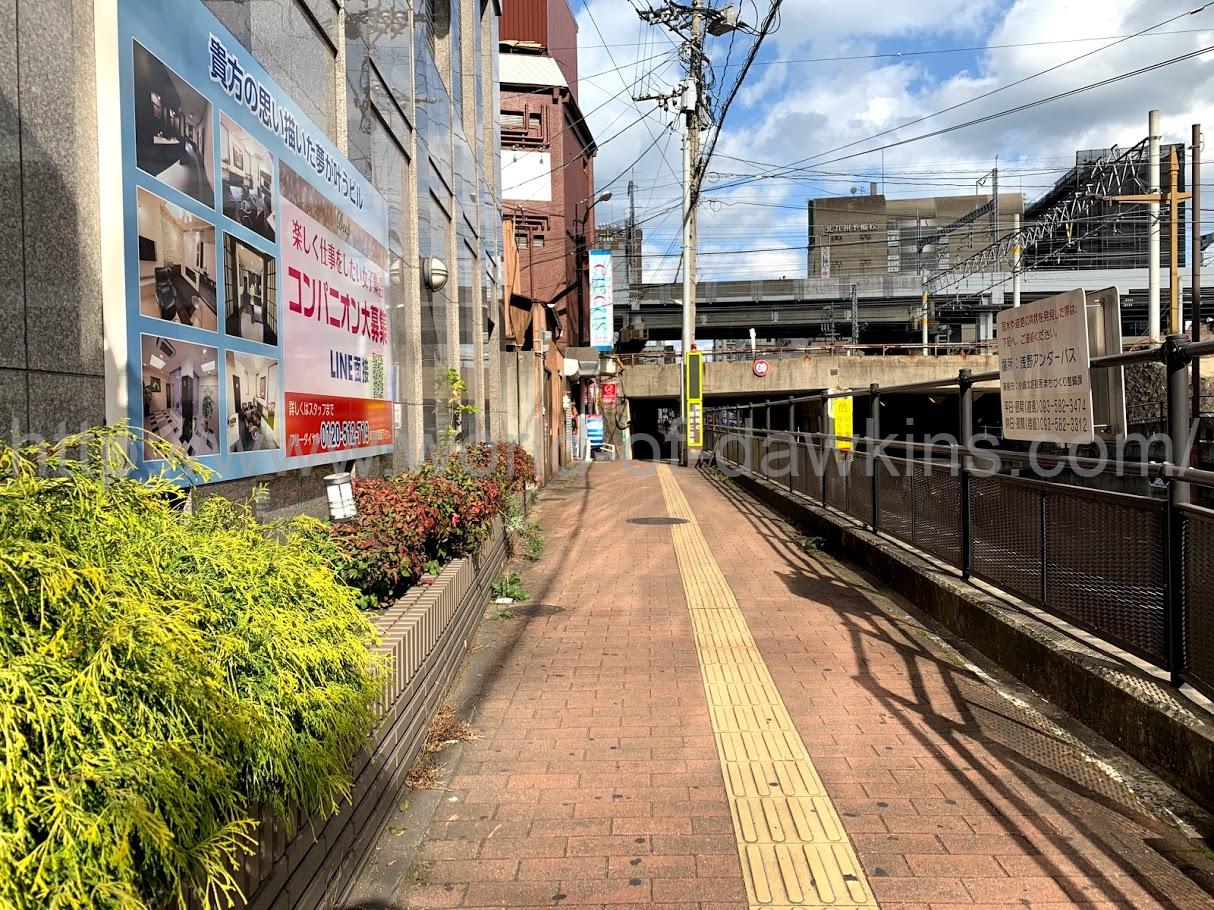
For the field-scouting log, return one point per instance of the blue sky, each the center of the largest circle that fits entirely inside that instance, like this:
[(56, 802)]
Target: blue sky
[(790, 109)]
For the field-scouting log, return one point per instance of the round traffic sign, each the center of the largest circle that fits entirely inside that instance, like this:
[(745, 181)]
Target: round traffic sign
[(760, 368)]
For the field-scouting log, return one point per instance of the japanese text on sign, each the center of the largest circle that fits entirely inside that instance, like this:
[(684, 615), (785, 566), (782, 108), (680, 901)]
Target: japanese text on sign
[(248, 90), (1044, 370)]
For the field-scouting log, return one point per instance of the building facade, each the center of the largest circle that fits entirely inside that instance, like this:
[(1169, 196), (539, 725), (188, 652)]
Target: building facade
[(547, 155), (402, 94), (873, 236)]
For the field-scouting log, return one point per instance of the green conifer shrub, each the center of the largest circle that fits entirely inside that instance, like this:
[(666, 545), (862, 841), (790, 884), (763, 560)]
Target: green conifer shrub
[(162, 675)]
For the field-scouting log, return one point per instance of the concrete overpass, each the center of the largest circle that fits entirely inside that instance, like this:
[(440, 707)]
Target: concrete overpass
[(806, 372), (889, 305)]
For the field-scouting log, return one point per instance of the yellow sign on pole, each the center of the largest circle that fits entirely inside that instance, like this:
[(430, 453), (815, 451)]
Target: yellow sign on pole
[(693, 382), (841, 410)]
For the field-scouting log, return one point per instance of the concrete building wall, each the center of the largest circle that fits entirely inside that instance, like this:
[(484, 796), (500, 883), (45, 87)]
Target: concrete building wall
[(790, 375), (859, 236), (403, 91)]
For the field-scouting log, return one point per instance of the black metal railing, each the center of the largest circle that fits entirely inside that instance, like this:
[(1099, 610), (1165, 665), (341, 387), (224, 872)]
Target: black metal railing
[(1134, 570)]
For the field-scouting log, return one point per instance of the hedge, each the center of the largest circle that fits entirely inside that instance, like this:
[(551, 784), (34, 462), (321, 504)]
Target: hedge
[(438, 512), (161, 675)]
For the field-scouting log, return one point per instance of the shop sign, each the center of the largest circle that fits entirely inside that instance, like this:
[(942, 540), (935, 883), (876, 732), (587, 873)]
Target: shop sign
[(601, 300)]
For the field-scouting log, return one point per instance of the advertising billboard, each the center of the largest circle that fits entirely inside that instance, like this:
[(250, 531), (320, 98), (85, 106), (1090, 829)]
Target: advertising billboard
[(601, 301), (244, 257)]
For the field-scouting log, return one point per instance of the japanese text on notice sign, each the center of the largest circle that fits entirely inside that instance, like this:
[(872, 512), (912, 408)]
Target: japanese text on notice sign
[(1044, 370)]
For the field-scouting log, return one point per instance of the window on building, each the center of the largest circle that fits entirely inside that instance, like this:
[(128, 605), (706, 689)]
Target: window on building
[(524, 128), (530, 231)]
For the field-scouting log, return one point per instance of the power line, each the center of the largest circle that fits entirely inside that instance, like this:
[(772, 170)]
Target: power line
[(996, 91), (1009, 111)]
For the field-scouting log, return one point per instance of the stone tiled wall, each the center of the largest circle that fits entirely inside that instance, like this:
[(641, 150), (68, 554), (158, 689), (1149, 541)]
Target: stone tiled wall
[(52, 359)]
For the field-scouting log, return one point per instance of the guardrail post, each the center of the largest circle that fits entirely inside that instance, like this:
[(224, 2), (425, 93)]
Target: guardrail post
[(1175, 620), (874, 444), (826, 425), (792, 441), (965, 403)]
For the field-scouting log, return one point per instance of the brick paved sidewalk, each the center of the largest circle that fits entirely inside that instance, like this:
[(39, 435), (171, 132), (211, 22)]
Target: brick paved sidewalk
[(597, 780)]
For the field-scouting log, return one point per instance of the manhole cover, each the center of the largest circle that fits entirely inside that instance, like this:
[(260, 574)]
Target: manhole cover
[(657, 521)]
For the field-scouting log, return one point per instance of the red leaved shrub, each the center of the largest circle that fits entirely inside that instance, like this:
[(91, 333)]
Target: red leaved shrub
[(437, 512)]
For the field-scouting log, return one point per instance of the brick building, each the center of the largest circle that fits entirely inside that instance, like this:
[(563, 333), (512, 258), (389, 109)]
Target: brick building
[(547, 155)]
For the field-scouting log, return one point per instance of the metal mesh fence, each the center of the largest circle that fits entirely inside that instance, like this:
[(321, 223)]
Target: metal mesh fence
[(1105, 566), (859, 487), (1006, 528), (1199, 573), (1095, 558), (836, 482), (895, 498), (937, 503)]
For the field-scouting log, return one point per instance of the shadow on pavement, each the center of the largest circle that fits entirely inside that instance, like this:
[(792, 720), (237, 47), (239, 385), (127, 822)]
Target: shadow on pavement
[(1047, 786)]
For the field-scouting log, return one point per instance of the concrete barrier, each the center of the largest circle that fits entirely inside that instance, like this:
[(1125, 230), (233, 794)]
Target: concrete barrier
[(790, 375)]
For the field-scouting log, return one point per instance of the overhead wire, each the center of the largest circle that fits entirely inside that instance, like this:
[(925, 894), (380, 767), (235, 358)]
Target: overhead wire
[(996, 91)]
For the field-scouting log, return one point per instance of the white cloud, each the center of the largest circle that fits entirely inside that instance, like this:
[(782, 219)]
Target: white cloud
[(794, 110)]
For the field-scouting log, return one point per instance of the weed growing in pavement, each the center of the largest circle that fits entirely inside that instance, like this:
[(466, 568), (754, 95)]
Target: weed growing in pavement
[(522, 531), (509, 585), (812, 544)]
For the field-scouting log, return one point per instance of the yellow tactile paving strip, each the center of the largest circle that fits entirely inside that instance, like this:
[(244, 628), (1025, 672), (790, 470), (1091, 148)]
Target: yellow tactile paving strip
[(793, 848)]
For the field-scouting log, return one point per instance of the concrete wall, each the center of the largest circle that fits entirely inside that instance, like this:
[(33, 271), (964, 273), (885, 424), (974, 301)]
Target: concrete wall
[(790, 375)]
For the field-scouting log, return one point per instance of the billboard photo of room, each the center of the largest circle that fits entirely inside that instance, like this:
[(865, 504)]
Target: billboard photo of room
[(172, 129), (251, 292), (177, 264), (253, 386), (180, 395), (247, 174)]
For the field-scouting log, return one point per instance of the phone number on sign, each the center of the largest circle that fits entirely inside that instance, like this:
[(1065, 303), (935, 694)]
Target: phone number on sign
[(345, 434)]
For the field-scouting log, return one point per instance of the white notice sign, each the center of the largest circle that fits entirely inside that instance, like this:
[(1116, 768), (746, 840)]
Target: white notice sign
[(1045, 373)]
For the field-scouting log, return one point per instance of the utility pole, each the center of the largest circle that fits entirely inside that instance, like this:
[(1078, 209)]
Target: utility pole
[(691, 162), (1153, 189), (1173, 197), (1195, 268), (690, 23), (924, 317), (1017, 253), (1175, 325)]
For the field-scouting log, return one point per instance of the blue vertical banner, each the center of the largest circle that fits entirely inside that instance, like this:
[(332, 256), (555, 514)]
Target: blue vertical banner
[(245, 258), (602, 299)]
